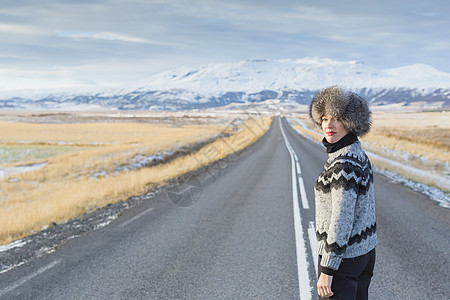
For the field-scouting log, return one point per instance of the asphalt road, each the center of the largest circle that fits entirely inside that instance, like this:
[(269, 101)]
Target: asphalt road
[(244, 230)]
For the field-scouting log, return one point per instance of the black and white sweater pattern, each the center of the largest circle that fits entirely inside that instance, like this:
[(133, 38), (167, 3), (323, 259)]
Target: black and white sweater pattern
[(345, 206)]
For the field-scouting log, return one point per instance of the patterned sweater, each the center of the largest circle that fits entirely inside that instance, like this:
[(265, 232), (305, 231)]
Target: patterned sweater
[(345, 207)]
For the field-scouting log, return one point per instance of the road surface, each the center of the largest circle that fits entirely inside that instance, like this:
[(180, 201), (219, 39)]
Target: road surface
[(245, 230)]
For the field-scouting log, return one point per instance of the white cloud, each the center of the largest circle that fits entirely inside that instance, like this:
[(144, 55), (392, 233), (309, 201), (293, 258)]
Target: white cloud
[(17, 29), (438, 45), (112, 36), (89, 74)]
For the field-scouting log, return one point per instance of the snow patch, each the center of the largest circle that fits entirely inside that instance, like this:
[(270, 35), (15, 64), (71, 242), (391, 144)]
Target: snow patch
[(5, 172), (105, 223), (15, 244)]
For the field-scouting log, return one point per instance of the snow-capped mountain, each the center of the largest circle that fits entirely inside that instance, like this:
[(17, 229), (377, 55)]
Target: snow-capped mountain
[(310, 73), (252, 81)]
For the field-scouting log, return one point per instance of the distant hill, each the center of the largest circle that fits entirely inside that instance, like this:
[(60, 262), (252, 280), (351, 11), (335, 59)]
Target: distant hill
[(214, 85)]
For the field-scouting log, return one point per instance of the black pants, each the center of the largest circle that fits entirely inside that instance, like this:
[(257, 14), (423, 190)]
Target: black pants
[(351, 281)]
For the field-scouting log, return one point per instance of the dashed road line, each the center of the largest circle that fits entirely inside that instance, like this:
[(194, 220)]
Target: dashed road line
[(313, 244), (305, 203), (135, 217), (27, 278)]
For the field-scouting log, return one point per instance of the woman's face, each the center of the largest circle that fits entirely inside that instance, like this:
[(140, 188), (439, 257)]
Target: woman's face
[(333, 129)]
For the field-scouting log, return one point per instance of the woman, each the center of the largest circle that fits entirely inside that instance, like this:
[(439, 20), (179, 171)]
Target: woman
[(345, 202)]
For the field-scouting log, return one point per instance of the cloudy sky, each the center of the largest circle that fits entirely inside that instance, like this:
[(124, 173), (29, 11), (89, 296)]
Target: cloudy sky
[(51, 43)]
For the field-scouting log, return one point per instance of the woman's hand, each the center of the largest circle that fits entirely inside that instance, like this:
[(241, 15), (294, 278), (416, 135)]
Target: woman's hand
[(324, 285)]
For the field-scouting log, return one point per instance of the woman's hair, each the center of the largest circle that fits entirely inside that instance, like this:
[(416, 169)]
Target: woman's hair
[(348, 107)]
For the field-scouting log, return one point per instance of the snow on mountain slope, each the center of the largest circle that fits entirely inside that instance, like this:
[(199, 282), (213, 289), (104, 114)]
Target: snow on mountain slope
[(300, 74), (419, 76), (256, 75)]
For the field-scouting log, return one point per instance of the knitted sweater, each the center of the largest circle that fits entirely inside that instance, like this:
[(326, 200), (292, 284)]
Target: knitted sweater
[(345, 206)]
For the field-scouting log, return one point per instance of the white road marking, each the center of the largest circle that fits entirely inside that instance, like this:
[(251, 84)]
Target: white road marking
[(305, 203), (299, 171), (304, 198), (136, 217), (302, 261), (313, 244), (26, 278)]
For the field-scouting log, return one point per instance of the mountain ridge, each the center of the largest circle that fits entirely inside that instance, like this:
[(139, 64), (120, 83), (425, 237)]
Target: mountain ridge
[(249, 81)]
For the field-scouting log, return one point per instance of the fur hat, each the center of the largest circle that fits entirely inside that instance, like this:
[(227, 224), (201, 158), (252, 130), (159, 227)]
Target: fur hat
[(350, 108)]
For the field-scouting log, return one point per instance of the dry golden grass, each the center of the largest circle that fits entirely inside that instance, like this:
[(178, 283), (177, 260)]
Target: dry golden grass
[(94, 134), (422, 135), (64, 188), (421, 140)]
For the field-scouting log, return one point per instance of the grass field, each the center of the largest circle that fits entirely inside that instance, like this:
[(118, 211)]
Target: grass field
[(88, 165), (421, 140)]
